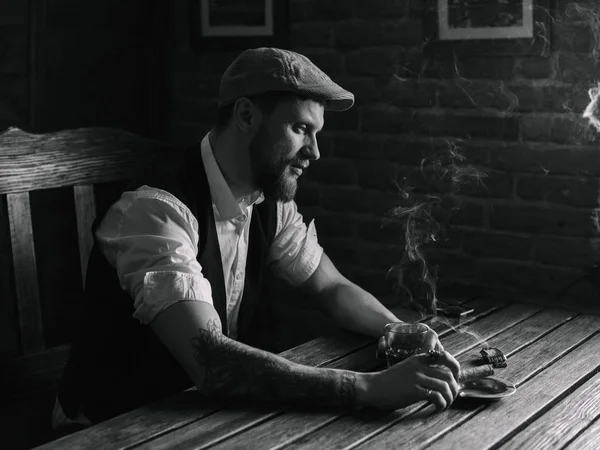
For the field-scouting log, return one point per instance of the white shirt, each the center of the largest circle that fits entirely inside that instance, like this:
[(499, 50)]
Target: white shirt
[(151, 238)]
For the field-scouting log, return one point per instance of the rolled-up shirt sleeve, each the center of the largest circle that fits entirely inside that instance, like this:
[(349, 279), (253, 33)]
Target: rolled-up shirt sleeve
[(295, 252), (151, 238)]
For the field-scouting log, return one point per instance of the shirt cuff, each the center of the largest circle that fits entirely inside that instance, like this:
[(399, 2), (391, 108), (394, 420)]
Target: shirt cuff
[(165, 288)]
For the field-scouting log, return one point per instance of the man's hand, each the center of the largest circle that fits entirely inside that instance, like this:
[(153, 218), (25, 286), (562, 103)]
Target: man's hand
[(432, 341), (411, 380)]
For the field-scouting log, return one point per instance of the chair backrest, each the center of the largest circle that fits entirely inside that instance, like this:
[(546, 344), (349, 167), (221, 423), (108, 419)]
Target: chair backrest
[(80, 159)]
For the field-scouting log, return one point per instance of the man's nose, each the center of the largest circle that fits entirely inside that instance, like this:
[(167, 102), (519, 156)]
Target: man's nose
[(313, 149)]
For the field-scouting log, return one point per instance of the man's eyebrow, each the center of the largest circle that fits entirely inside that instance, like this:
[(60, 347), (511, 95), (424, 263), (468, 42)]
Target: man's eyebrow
[(313, 126), (308, 124)]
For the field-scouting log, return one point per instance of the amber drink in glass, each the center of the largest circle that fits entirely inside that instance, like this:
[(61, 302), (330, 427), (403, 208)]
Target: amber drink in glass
[(402, 340)]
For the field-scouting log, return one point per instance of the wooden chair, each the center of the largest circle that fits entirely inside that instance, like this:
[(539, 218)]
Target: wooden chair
[(91, 162), (94, 164)]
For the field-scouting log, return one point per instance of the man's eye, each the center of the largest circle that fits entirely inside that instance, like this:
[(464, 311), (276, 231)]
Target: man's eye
[(300, 129)]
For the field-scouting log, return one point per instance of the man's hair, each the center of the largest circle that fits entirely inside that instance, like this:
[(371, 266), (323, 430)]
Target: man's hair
[(266, 103)]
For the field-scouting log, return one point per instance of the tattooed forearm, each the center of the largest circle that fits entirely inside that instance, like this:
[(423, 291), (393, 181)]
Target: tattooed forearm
[(348, 389), (231, 368)]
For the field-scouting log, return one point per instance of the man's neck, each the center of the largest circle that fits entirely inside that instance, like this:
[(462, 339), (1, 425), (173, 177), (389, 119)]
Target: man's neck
[(232, 157)]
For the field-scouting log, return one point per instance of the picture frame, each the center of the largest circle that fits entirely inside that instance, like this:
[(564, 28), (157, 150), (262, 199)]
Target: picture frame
[(488, 27), (461, 20), (232, 25), (223, 18)]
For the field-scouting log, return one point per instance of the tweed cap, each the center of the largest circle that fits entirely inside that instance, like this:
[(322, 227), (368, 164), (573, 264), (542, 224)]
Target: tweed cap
[(260, 70)]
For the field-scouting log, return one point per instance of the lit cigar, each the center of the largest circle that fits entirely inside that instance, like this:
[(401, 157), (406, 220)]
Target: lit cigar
[(475, 373)]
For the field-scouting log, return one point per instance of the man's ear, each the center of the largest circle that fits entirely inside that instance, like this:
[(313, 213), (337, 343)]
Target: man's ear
[(245, 115)]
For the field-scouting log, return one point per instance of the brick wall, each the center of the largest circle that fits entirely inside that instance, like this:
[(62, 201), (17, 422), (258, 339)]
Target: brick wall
[(528, 229)]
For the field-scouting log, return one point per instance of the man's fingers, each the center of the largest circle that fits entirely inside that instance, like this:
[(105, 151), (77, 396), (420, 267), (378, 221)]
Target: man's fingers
[(431, 341), (441, 358), (435, 397), (445, 376), (450, 361), (440, 386)]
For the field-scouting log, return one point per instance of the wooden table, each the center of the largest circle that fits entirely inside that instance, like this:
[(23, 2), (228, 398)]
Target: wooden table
[(552, 359)]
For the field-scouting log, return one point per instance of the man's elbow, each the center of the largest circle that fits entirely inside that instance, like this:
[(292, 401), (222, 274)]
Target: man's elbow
[(331, 298)]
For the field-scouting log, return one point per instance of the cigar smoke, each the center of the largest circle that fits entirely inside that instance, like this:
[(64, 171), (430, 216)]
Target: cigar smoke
[(424, 215), (457, 327), (587, 13), (592, 112), (424, 219)]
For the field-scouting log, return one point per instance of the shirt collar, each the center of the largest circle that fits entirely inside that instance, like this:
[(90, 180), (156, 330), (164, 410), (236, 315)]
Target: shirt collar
[(221, 194)]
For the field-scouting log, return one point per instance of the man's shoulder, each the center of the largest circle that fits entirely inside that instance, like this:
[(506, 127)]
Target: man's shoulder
[(145, 195)]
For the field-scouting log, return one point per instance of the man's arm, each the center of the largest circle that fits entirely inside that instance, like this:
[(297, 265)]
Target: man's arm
[(152, 238), (156, 262), (220, 366), (347, 304)]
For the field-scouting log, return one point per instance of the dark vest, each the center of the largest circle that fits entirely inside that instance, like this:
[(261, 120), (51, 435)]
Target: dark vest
[(117, 364)]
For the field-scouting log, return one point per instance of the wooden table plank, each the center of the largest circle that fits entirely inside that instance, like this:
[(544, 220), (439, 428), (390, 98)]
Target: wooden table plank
[(230, 422), (365, 424), (588, 440), (174, 412), (298, 425), (425, 428), (563, 423), (499, 421), (187, 407), (171, 414)]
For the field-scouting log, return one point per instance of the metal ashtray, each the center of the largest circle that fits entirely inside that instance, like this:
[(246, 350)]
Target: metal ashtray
[(487, 388)]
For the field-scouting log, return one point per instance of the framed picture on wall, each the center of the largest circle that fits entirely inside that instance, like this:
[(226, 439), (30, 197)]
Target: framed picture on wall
[(236, 17), (489, 26), (223, 25), (485, 19)]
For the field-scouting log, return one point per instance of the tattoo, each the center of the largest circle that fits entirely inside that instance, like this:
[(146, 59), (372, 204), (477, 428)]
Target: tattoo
[(233, 369), (348, 389)]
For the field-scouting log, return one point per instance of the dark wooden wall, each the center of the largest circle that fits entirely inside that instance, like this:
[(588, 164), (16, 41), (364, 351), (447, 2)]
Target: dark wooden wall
[(98, 63), (68, 64)]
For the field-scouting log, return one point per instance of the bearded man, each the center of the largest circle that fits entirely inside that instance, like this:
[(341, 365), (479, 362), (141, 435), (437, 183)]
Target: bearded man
[(175, 295)]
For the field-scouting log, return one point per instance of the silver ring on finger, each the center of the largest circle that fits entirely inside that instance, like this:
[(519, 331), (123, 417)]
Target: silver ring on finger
[(428, 393)]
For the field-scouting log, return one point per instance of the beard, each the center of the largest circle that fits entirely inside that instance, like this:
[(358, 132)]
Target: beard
[(271, 175)]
